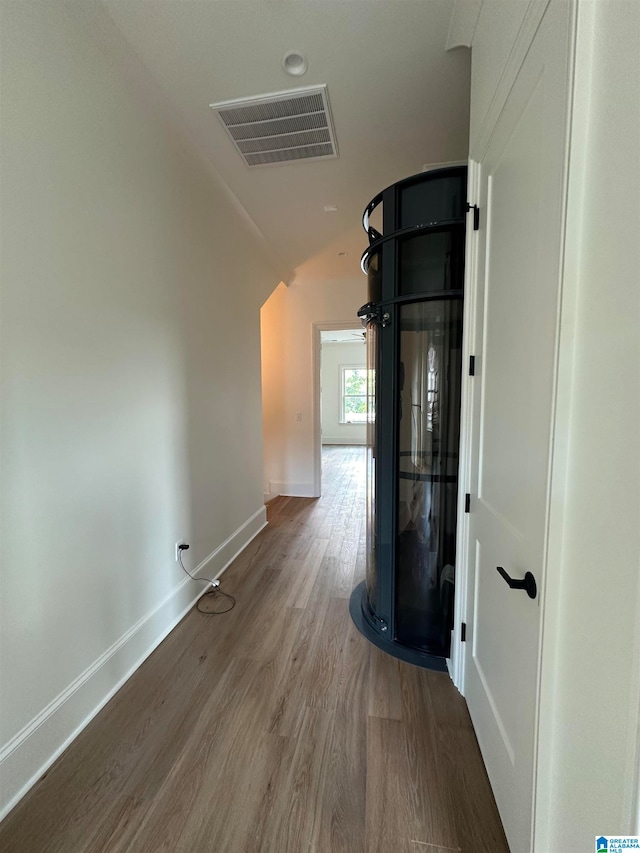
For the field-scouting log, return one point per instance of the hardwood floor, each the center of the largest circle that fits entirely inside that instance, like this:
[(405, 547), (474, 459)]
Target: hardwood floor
[(275, 728)]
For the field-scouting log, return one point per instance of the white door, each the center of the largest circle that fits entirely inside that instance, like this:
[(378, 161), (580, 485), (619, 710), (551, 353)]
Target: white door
[(521, 177)]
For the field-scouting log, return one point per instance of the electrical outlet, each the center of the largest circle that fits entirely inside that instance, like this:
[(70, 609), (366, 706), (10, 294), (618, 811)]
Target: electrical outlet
[(178, 544), (298, 416)]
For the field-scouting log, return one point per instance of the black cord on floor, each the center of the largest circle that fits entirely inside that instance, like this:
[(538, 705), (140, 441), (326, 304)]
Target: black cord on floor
[(211, 594)]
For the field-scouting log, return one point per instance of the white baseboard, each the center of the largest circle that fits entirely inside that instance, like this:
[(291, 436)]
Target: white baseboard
[(272, 493), (293, 490), (33, 750), (347, 441), (225, 554)]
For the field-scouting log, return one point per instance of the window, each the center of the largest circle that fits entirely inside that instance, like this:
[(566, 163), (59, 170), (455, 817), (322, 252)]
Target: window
[(353, 402)]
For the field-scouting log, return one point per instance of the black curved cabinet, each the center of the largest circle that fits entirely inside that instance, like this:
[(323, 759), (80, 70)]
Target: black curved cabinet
[(415, 269)]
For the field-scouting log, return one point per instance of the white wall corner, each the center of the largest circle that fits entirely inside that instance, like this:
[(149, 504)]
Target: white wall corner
[(28, 754), (273, 491), (295, 490), (464, 19), (104, 30)]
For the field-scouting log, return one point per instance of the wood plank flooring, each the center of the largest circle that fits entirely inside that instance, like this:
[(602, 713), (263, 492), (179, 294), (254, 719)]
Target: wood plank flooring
[(275, 728)]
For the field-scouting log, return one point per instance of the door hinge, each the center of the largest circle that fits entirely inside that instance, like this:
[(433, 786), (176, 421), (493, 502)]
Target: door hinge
[(463, 632), (476, 215), (472, 365), (467, 502)]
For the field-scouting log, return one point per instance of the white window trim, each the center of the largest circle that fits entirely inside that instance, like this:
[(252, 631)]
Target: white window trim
[(342, 368)]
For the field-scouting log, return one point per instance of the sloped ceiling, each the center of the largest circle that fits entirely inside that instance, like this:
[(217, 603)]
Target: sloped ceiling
[(399, 101)]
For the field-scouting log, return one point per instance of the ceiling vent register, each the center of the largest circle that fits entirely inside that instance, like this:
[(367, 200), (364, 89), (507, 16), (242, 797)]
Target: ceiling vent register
[(280, 128)]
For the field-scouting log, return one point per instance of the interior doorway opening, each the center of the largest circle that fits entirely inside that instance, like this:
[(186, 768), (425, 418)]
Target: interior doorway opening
[(339, 368)]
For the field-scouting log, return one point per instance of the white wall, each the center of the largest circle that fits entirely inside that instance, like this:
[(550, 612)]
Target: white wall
[(131, 399), (591, 665), (308, 299), (272, 325), (334, 356)]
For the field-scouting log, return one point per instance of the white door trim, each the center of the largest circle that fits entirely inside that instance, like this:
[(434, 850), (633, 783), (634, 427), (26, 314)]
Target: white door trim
[(316, 342), (456, 662)]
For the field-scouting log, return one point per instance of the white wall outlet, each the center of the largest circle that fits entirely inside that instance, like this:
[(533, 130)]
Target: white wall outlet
[(178, 544), (298, 416)]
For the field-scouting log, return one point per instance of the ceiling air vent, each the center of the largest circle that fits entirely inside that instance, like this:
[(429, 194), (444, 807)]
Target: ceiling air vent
[(282, 127)]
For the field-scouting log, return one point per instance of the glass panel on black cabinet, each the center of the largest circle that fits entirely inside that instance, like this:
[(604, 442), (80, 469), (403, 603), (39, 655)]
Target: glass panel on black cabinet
[(428, 436), (433, 262)]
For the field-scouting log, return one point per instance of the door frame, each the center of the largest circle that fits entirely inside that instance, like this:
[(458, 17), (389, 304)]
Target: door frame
[(456, 663), (316, 343)]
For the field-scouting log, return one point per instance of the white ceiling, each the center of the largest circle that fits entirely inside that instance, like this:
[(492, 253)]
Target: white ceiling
[(399, 100), (343, 336)]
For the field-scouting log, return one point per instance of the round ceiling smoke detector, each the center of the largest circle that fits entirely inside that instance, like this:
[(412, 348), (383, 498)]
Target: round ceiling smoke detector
[(294, 63)]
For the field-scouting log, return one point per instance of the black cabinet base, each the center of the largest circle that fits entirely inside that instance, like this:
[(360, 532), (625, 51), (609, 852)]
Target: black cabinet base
[(357, 605)]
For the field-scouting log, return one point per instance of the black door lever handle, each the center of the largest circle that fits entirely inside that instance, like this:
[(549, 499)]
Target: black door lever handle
[(528, 583)]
